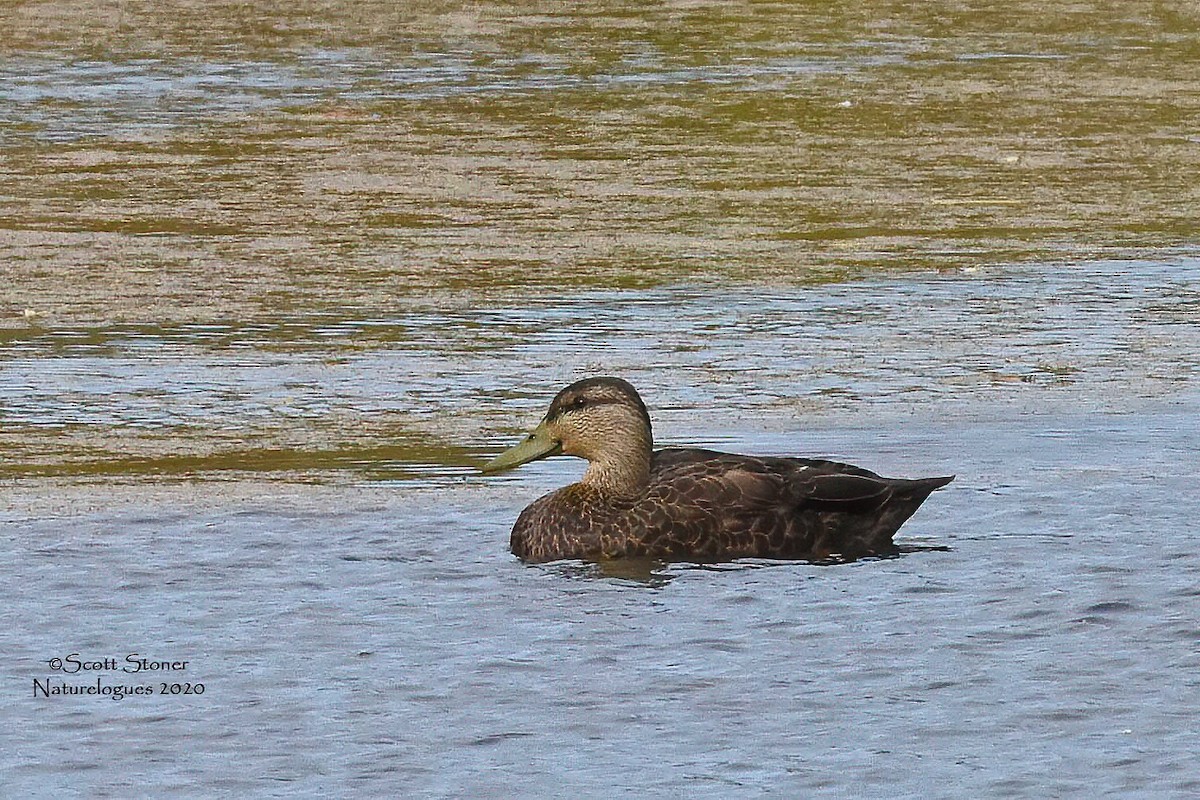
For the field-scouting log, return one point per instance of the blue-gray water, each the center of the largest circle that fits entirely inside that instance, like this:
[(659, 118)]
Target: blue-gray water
[(365, 635)]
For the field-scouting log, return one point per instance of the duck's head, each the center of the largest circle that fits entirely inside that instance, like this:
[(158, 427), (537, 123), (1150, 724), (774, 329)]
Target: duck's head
[(600, 419)]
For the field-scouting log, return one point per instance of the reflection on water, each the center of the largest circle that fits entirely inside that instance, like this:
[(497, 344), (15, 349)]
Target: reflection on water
[(653, 574), (637, 572)]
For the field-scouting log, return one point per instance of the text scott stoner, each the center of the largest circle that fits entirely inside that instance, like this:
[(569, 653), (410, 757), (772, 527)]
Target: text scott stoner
[(132, 664)]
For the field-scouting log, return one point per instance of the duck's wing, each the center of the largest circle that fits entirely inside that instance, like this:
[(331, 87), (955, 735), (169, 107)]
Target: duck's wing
[(713, 503), (751, 483), (670, 457)]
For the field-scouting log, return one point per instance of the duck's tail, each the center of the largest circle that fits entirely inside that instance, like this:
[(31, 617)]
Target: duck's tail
[(907, 497), (925, 486), (876, 536)]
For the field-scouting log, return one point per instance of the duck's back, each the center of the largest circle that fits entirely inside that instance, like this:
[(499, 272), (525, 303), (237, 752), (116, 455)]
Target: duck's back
[(706, 505)]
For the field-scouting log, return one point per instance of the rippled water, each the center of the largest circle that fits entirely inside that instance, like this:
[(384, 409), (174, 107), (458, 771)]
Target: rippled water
[(434, 384), (370, 633), (278, 277), (381, 641)]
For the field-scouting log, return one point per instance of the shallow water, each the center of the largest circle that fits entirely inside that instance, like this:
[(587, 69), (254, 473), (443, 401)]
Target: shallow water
[(426, 391), (380, 639), (367, 631), (279, 277)]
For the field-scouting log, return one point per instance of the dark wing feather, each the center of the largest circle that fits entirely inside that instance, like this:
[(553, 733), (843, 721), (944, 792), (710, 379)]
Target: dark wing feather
[(724, 505), (706, 505), (841, 492)]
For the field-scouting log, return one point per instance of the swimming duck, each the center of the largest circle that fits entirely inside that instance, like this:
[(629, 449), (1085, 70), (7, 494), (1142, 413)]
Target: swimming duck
[(692, 504)]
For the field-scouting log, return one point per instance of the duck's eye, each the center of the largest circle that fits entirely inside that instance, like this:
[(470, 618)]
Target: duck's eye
[(579, 402)]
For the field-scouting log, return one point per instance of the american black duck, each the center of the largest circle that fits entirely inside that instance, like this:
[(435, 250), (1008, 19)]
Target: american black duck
[(692, 504)]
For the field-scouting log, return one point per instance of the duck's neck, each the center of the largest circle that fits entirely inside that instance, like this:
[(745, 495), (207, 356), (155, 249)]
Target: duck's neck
[(623, 474)]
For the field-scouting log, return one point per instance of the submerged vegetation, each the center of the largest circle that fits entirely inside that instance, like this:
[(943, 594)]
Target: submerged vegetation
[(235, 229)]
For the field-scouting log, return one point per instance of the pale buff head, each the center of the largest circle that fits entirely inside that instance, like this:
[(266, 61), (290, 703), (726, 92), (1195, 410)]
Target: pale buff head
[(602, 420)]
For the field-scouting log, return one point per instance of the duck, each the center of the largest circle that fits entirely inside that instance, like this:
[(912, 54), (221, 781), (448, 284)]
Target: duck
[(693, 504)]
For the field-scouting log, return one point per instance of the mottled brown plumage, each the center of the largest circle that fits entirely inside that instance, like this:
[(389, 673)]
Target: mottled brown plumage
[(692, 504)]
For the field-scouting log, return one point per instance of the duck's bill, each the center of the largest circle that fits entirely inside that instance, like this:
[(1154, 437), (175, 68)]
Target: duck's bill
[(538, 444)]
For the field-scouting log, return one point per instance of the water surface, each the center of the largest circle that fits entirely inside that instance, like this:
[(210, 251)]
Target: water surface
[(278, 277)]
